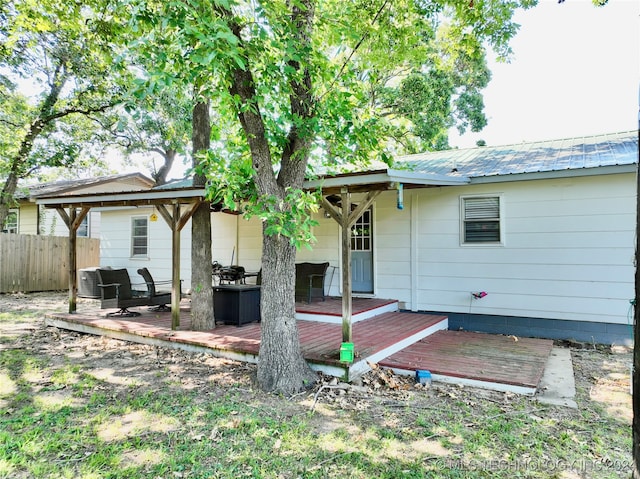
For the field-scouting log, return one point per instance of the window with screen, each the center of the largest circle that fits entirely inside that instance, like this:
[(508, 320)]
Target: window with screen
[(481, 220), (83, 229)]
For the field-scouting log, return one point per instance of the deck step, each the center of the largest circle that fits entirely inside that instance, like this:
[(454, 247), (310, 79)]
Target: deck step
[(330, 310)]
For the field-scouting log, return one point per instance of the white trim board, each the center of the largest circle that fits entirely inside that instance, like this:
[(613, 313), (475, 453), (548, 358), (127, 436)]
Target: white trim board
[(323, 318)]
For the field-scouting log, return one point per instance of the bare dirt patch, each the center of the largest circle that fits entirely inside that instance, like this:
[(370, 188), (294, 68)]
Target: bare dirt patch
[(602, 373)]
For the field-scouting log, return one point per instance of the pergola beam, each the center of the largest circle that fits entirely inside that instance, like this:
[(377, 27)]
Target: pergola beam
[(176, 222), (80, 205)]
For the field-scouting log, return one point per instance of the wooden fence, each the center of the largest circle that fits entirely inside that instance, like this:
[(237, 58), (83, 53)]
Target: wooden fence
[(41, 263)]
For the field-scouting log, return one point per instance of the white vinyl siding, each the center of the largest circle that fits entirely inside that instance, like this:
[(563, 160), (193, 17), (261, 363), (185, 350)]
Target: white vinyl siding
[(569, 253), (115, 244)]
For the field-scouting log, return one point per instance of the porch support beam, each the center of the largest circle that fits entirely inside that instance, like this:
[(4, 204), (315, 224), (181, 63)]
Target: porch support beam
[(73, 220), (346, 219), (346, 266), (176, 221), (175, 268)]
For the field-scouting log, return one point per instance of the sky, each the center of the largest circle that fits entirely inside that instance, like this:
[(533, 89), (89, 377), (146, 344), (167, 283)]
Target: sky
[(575, 71)]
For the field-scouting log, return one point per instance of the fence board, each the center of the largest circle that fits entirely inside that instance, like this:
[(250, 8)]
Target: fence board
[(40, 263)]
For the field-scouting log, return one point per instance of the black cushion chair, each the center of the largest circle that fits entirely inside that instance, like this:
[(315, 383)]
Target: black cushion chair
[(310, 281), (116, 292), (157, 299)]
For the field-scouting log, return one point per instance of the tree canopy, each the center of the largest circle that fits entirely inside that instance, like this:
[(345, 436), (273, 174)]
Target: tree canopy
[(54, 51), (295, 84)]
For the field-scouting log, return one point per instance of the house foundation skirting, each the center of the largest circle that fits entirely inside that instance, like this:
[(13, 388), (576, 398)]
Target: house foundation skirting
[(584, 331)]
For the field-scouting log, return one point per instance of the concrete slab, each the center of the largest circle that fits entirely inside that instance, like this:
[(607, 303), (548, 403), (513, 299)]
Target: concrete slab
[(558, 386)]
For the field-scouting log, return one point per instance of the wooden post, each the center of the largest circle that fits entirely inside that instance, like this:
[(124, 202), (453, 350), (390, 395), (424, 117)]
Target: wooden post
[(346, 266), (175, 268), (73, 262), (176, 222), (73, 220), (347, 218)]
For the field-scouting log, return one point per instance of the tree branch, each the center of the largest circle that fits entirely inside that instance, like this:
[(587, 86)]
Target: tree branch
[(355, 49), (243, 87), (300, 100), (121, 139), (160, 151), (80, 111), (11, 124)]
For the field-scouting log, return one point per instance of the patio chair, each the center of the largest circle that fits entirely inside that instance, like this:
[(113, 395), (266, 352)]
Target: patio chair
[(310, 281), (116, 292), (157, 299)]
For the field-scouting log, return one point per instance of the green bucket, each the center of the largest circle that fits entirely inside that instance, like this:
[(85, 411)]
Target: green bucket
[(346, 353)]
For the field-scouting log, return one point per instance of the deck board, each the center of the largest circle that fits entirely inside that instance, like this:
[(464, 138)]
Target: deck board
[(332, 306), (320, 341), (477, 356)]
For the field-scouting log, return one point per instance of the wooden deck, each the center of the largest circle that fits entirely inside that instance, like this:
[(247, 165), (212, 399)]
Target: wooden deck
[(375, 338), (403, 341), (477, 359)]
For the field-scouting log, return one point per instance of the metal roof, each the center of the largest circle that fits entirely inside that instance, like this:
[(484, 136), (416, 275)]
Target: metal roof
[(63, 187), (186, 182), (566, 155)]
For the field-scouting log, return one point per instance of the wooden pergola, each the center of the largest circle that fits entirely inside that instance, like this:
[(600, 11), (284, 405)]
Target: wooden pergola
[(370, 184), (176, 206)]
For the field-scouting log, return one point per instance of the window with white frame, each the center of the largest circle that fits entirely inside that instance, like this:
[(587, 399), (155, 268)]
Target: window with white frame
[(481, 220), (139, 236), (361, 233), (11, 222)]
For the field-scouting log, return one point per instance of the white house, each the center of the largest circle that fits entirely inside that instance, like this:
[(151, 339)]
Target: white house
[(545, 230)]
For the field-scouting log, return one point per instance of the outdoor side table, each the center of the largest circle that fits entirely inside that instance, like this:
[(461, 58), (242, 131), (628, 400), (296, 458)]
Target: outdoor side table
[(236, 304)]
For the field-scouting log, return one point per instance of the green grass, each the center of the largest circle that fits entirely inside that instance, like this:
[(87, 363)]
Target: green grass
[(58, 420)]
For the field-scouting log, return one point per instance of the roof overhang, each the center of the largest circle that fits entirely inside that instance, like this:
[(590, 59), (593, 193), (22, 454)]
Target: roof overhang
[(383, 179), (129, 198)]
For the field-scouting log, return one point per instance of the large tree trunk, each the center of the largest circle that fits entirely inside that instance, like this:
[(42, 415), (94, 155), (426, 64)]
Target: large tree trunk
[(202, 317), (160, 176), (6, 197), (281, 365)]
